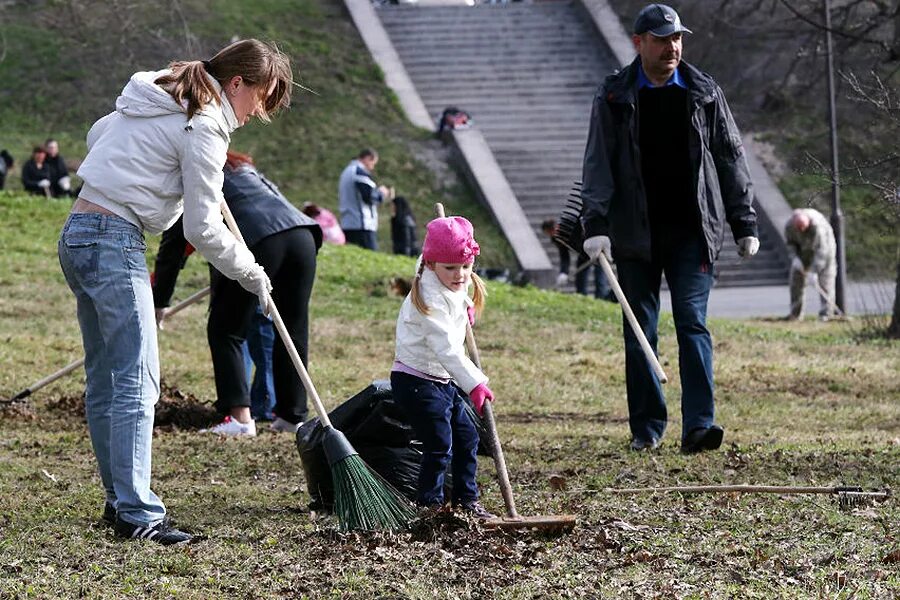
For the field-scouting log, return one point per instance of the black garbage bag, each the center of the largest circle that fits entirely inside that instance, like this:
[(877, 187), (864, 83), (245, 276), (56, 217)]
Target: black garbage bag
[(377, 429)]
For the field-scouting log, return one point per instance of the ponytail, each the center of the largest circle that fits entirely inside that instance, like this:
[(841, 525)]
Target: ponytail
[(188, 82), (479, 293), (415, 295)]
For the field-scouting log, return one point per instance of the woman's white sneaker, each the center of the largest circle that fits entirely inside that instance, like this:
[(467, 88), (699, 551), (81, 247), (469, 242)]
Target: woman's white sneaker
[(233, 428)]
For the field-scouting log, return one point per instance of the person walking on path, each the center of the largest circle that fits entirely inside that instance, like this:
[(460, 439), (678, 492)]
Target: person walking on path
[(358, 200), (656, 198), (158, 155), (431, 370), (810, 241), (286, 242)]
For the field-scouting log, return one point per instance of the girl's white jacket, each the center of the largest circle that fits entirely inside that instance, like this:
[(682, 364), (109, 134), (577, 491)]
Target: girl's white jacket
[(435, 343), (147, 155)]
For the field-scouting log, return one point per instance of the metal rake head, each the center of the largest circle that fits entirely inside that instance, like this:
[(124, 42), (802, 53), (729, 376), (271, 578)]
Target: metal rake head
[(569, 231), (854, 497)]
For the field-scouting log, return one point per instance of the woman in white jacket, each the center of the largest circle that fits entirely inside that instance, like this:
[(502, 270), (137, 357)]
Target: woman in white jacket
[(160, 153), (431, 367)]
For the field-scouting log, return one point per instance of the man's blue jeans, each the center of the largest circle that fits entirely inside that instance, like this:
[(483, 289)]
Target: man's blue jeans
[(690, 278), (102, 257), (258, 352)]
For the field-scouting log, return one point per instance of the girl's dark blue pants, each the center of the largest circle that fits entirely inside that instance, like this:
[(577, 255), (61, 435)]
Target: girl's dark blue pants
[(437, 414)]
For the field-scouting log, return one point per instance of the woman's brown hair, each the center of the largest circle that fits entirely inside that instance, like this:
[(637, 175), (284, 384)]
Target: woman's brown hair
[(257, 63)]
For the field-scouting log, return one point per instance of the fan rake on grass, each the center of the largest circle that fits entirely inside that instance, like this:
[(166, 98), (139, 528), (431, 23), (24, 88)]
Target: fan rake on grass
[(363, 500)]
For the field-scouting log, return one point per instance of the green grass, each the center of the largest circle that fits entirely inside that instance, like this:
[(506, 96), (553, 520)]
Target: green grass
[(802, 403)]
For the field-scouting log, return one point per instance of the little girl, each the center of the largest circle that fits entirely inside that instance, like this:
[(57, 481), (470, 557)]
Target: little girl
[(431, 367)]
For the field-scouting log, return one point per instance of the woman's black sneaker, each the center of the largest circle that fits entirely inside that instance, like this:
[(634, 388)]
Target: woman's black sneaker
[(161, 533)]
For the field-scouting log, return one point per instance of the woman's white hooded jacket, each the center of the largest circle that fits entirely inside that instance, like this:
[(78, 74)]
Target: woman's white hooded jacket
[(147, 156), (434, 344)]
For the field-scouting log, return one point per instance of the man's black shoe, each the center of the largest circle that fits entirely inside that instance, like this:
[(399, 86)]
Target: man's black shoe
[(639, 445), (109, 513), (702, 438), (161, 533)]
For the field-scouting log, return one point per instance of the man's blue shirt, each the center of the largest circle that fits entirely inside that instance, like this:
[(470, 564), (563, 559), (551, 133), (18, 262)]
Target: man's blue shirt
[(643, 82)]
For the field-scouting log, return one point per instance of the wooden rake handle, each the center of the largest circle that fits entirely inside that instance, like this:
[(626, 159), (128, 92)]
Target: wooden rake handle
[(283, 332), (632, 320), (192, 299), (490, 423)]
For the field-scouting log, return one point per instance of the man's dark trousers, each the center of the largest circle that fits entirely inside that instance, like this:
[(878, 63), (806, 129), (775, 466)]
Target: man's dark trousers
[(690, 278), (438, 416), (362, 237)]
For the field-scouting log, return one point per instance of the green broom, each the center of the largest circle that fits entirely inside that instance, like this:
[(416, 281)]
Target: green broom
[(363, 500)]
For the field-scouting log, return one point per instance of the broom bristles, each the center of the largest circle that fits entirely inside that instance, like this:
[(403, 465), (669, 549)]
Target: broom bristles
[(363, 500)]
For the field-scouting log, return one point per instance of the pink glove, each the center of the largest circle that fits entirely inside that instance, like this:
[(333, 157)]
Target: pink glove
[(470, 310), (478, 395)]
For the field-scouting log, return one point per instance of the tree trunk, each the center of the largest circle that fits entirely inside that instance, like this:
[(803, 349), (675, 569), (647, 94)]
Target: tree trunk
[(893, 330)]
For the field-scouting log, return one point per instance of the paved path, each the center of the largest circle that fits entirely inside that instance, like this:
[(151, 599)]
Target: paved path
[(774, 301)]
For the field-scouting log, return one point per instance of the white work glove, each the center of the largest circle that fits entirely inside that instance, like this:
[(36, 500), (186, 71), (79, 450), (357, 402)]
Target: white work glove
[(255, 281), (161, 317), (747, 246), (65, 184), (593, 246), (561, 280), (797, 265), (44, 183), (812, 278)]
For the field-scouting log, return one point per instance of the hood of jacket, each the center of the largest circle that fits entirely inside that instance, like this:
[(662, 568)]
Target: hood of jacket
[(622, 86), (142, 97)]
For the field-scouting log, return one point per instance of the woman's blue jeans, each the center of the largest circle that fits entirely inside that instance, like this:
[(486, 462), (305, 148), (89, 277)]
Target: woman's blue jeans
[(102, 257)]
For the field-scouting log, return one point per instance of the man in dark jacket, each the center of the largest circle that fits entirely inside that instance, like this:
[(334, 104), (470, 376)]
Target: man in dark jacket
[(664, 169)]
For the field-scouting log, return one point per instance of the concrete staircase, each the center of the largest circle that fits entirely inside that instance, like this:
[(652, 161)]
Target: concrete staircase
[(527, 73)]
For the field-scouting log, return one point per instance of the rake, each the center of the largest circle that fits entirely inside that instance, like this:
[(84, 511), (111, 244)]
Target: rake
[(569, 234), (363, 500), (512, 520), (194, 298)]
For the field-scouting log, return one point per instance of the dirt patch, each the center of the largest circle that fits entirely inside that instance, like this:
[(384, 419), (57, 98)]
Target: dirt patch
[(178, 410), (175, 410)]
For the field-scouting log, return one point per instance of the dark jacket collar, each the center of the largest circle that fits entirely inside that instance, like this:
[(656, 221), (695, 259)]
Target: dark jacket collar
[(621, 87)]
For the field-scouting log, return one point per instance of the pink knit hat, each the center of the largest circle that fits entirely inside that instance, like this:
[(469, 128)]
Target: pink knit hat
[(450, 240)]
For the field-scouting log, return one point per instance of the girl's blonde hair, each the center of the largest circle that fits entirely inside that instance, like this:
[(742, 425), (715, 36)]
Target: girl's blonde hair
[(479, 293), (259, 65)]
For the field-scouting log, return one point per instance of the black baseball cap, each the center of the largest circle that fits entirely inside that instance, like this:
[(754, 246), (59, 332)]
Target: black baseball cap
[(659, 19)]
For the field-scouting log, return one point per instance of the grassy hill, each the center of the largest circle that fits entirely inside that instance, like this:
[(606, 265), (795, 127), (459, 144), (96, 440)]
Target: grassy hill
[(68, 71), (802, 403)]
